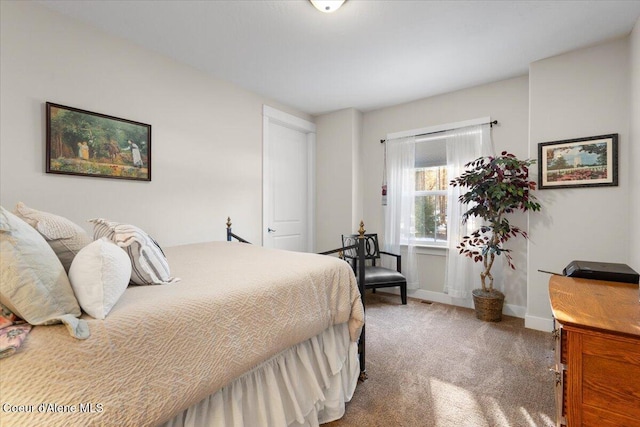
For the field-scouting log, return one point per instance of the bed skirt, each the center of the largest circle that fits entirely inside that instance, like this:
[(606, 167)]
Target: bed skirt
[(305, 385)]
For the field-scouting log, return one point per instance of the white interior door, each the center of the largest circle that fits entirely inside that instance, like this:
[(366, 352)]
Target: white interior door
[(288, 182)]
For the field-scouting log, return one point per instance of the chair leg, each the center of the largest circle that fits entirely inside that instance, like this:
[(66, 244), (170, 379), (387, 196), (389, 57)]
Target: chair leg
[(403, 293), (373, 291)]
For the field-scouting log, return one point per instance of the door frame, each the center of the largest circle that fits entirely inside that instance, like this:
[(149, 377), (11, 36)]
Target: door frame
[(272, 115)]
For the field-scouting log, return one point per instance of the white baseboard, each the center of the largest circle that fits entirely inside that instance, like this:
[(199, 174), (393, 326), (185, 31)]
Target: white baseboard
[(538, 323), (514, 310), (530, 322), (441, 297)]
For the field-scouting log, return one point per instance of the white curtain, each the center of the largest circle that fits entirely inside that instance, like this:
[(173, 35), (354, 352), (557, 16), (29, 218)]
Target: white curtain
[(399, 224), (463, 146)]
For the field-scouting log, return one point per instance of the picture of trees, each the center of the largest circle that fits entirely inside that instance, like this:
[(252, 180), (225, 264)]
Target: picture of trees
[(577, 163), (581, 162), (84, 143)]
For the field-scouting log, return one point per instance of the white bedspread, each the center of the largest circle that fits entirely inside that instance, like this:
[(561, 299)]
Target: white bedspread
[(164, 348)]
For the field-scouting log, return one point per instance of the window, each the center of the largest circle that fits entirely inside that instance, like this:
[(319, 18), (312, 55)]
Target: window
[(422, 208), (431, 204), (431, 191)]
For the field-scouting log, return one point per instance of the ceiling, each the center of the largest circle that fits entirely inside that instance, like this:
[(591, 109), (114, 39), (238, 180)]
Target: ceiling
[(367, 55)]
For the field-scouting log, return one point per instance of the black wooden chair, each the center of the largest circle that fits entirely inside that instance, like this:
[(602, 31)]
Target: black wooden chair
[(375, 276)]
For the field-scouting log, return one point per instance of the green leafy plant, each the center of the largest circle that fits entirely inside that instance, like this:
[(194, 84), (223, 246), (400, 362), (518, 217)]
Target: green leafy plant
[(497, 186)]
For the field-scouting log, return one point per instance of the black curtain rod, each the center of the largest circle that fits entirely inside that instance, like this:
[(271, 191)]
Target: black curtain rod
[(495, 122)]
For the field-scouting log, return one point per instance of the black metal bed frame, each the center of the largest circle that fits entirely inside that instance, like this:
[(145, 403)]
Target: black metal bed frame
[(361, 252)]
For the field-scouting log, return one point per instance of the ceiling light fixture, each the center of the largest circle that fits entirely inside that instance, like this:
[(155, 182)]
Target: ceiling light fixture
[(327, 6)]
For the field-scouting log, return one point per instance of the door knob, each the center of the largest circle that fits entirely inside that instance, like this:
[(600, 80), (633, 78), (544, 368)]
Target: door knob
[(271, 230)]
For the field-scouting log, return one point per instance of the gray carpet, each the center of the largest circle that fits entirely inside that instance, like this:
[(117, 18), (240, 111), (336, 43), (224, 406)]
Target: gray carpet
[(437, 365)]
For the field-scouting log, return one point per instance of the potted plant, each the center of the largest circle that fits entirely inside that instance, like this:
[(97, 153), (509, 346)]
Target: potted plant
[(497, 186)]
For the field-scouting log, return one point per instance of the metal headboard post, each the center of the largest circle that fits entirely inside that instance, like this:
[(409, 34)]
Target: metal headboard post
[(231, 236), (361, 259)]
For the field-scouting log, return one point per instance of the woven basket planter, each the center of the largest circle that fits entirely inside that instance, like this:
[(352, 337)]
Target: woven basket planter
[(488, 305)]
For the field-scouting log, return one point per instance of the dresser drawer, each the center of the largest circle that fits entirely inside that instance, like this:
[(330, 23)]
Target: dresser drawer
[(611, 375)]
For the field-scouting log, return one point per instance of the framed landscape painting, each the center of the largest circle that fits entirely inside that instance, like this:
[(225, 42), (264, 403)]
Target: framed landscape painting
[(84, 143), (582, 162)]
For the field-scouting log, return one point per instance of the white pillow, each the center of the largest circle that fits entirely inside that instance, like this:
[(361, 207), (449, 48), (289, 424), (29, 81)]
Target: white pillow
[(33, 283), (99, 276), (149, 266), (65, 237)]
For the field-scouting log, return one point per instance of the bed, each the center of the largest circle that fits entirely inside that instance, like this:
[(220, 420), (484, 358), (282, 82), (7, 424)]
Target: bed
[(249, 336)]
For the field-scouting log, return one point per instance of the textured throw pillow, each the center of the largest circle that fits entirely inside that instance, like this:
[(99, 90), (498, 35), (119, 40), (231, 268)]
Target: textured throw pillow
[(149, 266), (33, 283), (99, 275), (65, 237)]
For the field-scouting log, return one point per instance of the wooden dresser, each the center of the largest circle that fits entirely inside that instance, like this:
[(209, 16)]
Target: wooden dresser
[(597, 352)]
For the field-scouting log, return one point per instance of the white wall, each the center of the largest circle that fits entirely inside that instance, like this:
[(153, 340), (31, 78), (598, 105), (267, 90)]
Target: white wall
[(579, 94), (356, 175), (506, 101), (206, 133), (338, 197), (634, 148)]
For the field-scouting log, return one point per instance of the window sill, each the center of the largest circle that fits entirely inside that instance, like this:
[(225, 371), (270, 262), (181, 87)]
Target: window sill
[(426, 249)]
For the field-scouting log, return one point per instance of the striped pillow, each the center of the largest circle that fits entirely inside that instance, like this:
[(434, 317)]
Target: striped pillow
[(149, 266), (103, 228)]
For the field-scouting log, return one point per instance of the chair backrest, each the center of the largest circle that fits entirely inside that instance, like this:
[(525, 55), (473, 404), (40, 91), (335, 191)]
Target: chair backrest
[(371, 248)]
